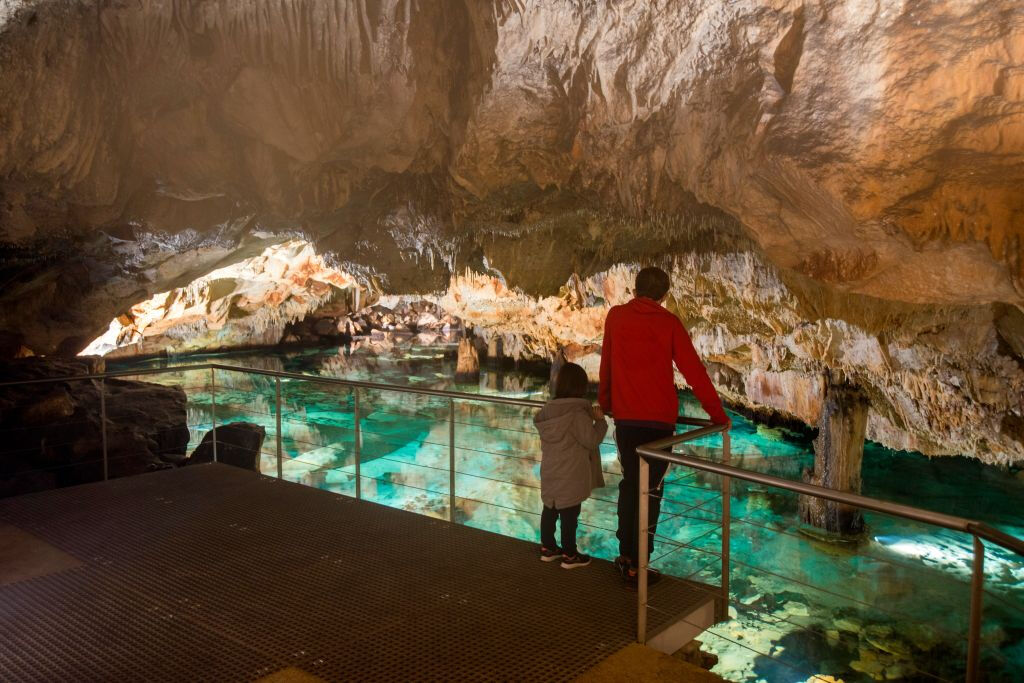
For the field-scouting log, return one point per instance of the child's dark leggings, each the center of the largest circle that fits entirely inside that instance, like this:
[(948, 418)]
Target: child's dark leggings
[(570, 519)]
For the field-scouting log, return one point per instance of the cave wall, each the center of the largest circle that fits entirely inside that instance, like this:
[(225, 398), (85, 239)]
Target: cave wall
[(939, 380), (875, 146), (869, 154)]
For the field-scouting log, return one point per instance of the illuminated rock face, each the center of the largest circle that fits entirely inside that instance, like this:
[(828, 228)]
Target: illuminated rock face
[(249, 303), (939, 380), (848, 148)]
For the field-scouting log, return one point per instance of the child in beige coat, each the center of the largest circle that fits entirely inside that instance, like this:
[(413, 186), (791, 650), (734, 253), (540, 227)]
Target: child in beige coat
[(571, 429)]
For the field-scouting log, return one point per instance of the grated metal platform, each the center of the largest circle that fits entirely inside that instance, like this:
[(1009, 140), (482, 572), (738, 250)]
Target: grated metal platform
[(215, 573)]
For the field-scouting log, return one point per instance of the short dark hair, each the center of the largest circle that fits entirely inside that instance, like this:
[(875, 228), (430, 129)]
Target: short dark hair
[(571, 382), (652, 283)]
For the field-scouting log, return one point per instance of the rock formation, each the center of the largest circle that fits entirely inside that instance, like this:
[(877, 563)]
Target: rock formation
[(249, 303), (238, 444), (53, 436), (861, 162), (838, 452), (467, 368), (286, 294), (940, 380)]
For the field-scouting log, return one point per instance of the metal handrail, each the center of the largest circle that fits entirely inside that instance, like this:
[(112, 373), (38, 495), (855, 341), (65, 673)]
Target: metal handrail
[(650, 450), (978, 530), (704, 428), (442, 393), (951, 522)]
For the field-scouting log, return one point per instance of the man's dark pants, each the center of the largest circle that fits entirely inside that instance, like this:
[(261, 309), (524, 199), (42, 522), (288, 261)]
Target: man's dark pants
[(627, 438)]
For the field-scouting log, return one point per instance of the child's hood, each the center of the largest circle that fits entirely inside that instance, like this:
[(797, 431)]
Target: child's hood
[(555, 419)]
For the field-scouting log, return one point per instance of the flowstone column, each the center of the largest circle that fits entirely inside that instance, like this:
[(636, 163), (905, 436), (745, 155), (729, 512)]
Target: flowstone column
[(557, 361), (838, 454), (468, 367)]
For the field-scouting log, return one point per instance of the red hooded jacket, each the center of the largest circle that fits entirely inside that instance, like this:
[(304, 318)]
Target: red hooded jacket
[(641, 339)]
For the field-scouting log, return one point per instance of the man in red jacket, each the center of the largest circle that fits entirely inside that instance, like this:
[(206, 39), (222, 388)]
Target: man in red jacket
[(641, 339)]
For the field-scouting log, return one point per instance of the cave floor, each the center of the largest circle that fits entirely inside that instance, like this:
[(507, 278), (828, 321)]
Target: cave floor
[(216, 573)]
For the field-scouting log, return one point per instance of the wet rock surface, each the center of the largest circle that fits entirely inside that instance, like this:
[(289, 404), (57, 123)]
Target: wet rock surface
[(251, 303), (467, 368), (391, 315), (52, 433)]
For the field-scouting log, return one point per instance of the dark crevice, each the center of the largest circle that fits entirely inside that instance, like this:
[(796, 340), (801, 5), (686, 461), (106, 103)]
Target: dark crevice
[(789, 51)]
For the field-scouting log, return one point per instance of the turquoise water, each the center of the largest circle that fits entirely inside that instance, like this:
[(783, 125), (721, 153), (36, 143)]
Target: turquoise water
[(893, 606)]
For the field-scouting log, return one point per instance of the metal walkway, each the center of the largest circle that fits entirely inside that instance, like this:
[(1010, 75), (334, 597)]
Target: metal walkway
[(215, 573)]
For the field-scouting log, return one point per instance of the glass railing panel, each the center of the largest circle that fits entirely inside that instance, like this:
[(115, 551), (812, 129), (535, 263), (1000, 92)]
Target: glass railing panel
[(496, 416), (892, 601), (388, 491), (489, 516), (405, 454), (1002, 629)]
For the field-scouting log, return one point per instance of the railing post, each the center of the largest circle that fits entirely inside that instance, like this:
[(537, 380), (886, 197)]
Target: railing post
[(213, 411), (280, 462), (974, 627), (726, 523), (451, 460), (358, 448), (643, 475), (103, 428)]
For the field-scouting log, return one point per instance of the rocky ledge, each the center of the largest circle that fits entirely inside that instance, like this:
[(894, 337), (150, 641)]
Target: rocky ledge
[(52, 433)]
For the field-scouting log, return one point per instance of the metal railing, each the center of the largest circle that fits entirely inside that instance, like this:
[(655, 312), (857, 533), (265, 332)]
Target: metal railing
[(356, 385), (661, 450), (704, 428), (654, 450)]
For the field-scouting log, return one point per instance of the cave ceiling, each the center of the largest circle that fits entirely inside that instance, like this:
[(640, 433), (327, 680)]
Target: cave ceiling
[(872, 148)]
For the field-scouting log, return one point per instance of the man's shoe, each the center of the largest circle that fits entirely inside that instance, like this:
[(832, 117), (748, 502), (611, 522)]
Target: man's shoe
[(551, 555), (631, 580), (576, 561)]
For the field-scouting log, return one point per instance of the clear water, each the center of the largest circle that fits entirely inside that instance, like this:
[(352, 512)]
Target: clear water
[(893, 606)]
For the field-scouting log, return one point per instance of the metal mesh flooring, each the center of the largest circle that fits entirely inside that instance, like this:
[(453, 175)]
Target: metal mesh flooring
[(215, 573)]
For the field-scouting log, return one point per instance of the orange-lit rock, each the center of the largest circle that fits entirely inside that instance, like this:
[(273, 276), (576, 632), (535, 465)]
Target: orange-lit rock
[(249, 303), (938, 380)]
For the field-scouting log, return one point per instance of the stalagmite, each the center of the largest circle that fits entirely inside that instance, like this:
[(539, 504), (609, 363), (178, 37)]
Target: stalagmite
[(557, 361), (468, 367), (838, 452), (494, 350)]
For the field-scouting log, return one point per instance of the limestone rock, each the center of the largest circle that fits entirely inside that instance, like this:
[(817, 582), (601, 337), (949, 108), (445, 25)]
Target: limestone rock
[(146, 144), (868, 220), (238, 444), (838, 452), (770, 339), (53, 432), (245, 304), (468, 365)]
